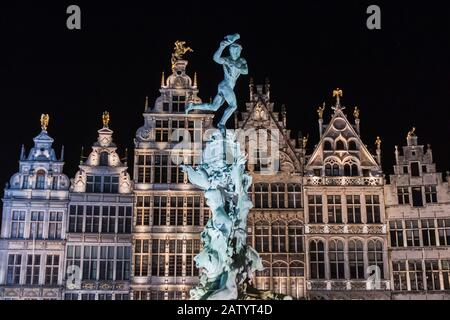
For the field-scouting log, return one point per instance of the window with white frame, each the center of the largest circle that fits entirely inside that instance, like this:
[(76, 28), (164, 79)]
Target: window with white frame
[(90, 262), (141, 257), (356, 259), (37, 225), (334, 209), (33, 269), (278, 236), (432, 275), (373, 209), (73, 257), (52, 269), (40, 179), (144, 165), (315, 208), (375, 255), (123, 263), (430, 194), (159, 210), (14, 269), (294, 195), (399, 275), (444, 232), (396, 233), (158, 257), (124, 219), (162, 131), (428, 232), (142, 210), (295, 234), (192, 249), (102, 184), (108, 219), (446, 273), (416, 275), (277, 193), (176, 174), (353, 209), (17, 224), (261, 193), (403, 195), (262, 236), (161, 168), (76, 217), (176, 211), (317, 259), (55, 225), (412, 233), (193, 210), (178, 103), (336, 258), (106, 263), (92, 221), (296, 269)]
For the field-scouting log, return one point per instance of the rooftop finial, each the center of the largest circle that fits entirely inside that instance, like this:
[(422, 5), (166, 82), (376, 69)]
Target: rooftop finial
[(146, 103), (163, 81), (45, 118), (178, 51), (81, 154), (378, 142), (195, 79), (105, 118), (305, 141), (356, 113), (412, 133), (338, 94)]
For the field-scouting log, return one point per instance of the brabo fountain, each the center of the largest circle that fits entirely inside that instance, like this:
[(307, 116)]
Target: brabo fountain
[(227, 262)]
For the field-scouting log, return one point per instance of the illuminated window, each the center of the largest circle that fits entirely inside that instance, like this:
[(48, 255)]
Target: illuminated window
[(294, 195), (317, 259), (40, 179), (144, 168), (416, 275), (33, 268), (277, 193), (399, 275), (315, 208), (141, 257), (14, 268), (55, 225), (17, 224), (353, 209), (373, 209), (336, 257), (158, 257), (334, 209), (51, 269), (375, 255), (162, 131), (295, 235), (356, 259), (278, 236), (262, 236)]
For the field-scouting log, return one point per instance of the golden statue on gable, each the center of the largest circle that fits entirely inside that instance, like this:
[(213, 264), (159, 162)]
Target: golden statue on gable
[(105, 118), (412, 133), (356, 113), (45, 118), (178, 51), (320, 111)]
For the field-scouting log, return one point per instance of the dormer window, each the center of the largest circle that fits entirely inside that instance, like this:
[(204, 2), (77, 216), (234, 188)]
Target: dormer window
[(103, 159), (178, 103), (40, 179)]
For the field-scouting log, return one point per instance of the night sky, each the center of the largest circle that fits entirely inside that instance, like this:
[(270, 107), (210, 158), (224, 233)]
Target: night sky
[(398, 76)]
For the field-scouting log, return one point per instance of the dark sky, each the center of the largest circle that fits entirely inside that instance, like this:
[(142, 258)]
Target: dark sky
[(398, 76)]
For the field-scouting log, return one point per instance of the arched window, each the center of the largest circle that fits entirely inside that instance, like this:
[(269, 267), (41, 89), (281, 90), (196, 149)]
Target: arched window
[(335, 170), (340, 145), (355, 172), (296, 269), (279, 269), (327, 146), (328, 170), (356, 259), (279, 277), (352, 145), (262, 236), (317, 259), (295, 234), (278, 236), (40, 179), (375, 255), (266, 271), (263, 277), (347, 170), (103, 158), (336, 257)]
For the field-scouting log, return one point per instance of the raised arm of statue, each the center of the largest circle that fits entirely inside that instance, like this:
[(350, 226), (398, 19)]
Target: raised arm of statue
[(223, 44)]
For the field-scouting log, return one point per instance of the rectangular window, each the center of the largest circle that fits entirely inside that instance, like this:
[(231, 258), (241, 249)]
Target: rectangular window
[(51, 269), (334, 209), (396, 233), (373, 209), (277, 193), (416, 275), (261, 192), (444, 232), (176, 174), (92, 220), (193, 210), (109, 219), (88, 296), (141, 257), (176, 211), (294, 195), (158, 257), (417, 197), (159, 210), (353, 209), (123, 263), (315, 208), (71, 296), (17, 224), (399, 275), (144, 168), (76, 218), (124, 219), (428, 232), (106, 262), (446, 273), (33, 268), (412, 233), (102, 184), (161, 168), (55, 225), (430, 194), (90, 263), (37, 225), (178, 103), (14, 268), (162, 131), (143, 211), (432, 275), (403, 195)]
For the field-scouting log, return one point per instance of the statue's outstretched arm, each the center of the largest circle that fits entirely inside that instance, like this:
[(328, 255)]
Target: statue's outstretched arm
[(218, 54)]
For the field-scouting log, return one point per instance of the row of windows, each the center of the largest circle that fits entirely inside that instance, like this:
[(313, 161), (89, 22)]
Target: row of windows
[(420, 233), (160, 295), (41, 181), (31, 225), (335, 213), (165, 130), (414, 195), (96, 296), (335, 259), (102, 184), (100, 262), (414, 169), (26, 269), (160, 168), (276, 195), (171, 211), (104, 219), (165, 257), (278, 236), (340, 145), (421, 275)]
